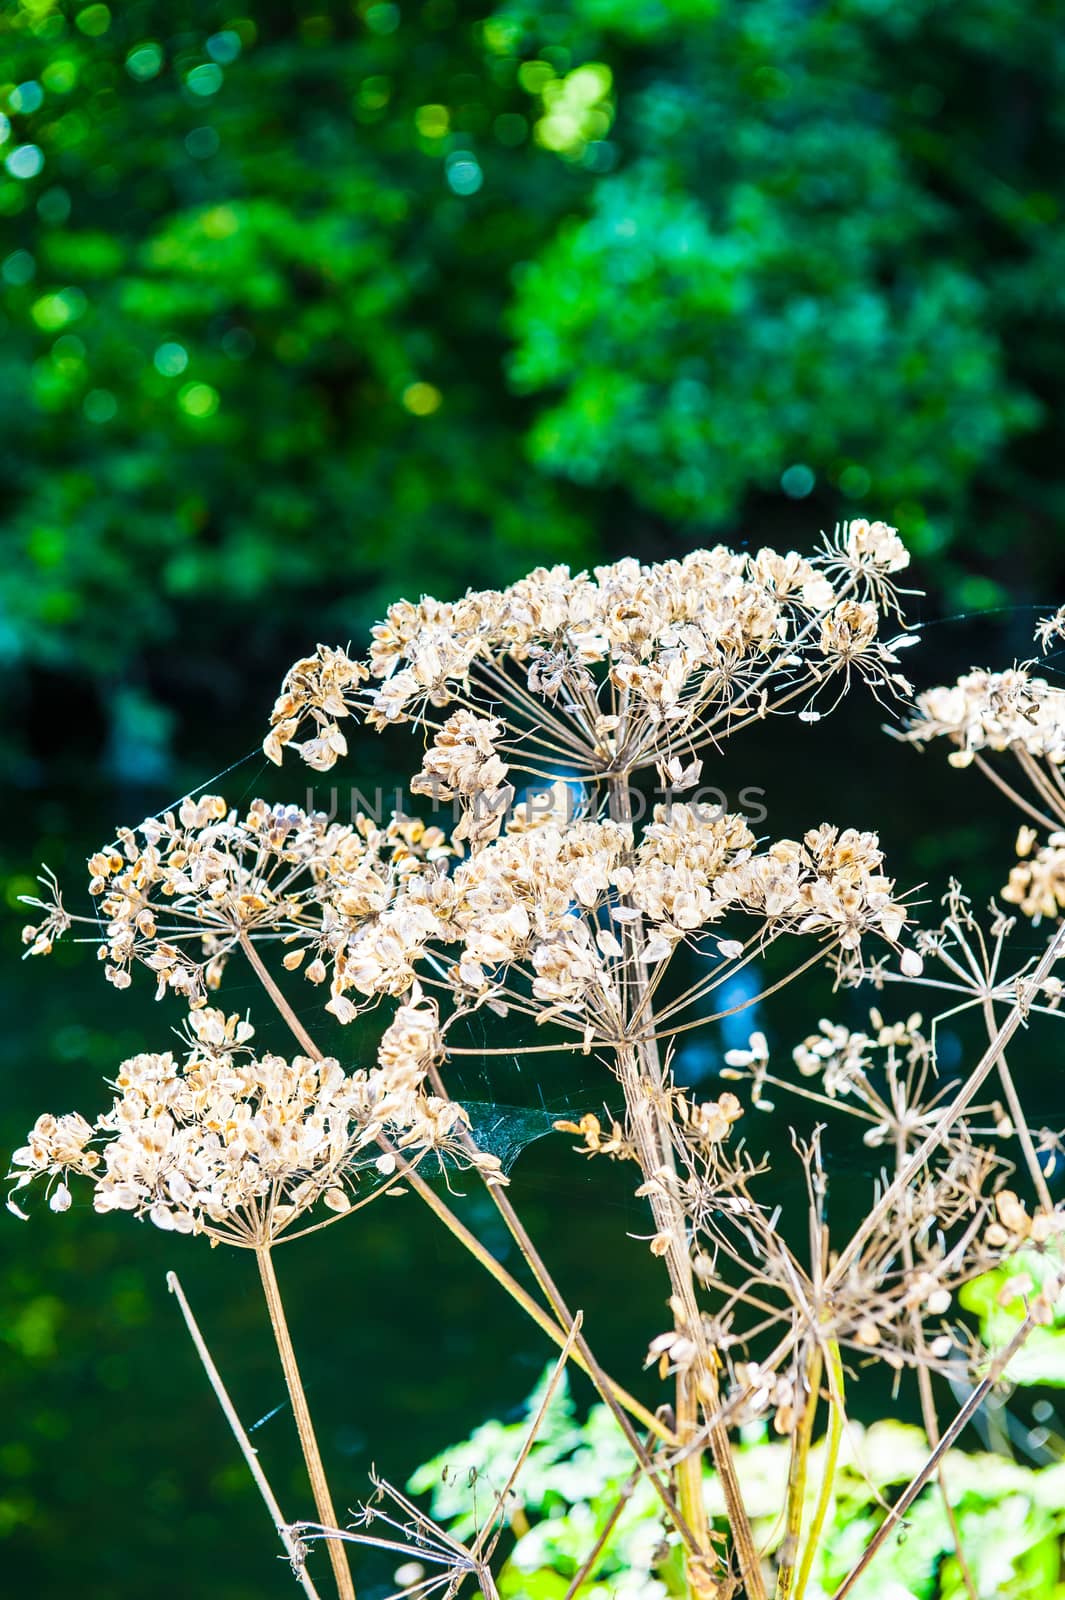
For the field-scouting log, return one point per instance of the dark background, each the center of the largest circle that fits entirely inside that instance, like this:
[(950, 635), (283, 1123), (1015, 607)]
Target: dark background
[(309, 307)]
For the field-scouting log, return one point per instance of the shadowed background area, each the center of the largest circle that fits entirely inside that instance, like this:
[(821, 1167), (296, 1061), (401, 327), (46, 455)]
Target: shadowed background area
[(314, 305)]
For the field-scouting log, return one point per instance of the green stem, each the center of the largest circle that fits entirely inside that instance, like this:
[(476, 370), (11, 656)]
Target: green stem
[(828, 1468), (796, 1499)]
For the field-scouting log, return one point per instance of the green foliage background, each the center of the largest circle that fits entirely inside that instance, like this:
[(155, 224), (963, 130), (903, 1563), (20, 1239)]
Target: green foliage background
[(306, 305)]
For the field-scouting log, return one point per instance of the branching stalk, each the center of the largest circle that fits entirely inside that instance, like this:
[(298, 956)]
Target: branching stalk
[(468, 1240), (640, 1072), (836, 1419)]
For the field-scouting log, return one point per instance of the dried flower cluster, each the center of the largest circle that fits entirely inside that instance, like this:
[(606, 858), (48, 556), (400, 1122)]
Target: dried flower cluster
[(1020, 713), (995, 711), (240, 1146), (178, 893), (611, 672)]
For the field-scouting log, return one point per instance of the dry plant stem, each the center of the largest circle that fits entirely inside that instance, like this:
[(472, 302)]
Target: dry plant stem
[(214, 1378), (323, 1500), (1017, 1116), (931, 1428), (833, 1439), (537, 1423), (608, 1391), (543, 1321), (1011, 794), (587, 1566), (914, 1487), (579, 1355), (1037, 777), (676, 1513), (928, 1404), (670, 1221), (796, 1495), (262, 972), (952, 1112), (640, 1069)]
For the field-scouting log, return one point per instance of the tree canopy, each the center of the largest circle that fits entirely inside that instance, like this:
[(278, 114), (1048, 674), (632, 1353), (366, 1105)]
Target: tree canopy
[(338, 301)]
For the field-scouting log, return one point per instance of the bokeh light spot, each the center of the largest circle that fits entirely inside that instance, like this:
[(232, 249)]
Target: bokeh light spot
[(25, 161), (171, 359), (19, 268), (422, 399), (53, 311), (205, 79), (53, 206), (534, 76), (464, 172), (238, 344), (224, 47), (198, 400), (201, 143), (797, 481), (382, 18), (94, 21), (99, 405), (26, 97), (145, 61), (60, 76), (432, 122)]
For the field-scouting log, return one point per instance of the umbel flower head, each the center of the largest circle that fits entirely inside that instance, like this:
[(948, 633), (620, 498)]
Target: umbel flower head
[(610, 672), (179, 892), (241, 1146), (993, 711), (551, 921), (1017, 713), (583, 681)]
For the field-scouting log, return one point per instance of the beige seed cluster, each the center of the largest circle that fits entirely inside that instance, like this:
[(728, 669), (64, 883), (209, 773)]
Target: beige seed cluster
[(239, 1145), (614, 670), (993, 711)]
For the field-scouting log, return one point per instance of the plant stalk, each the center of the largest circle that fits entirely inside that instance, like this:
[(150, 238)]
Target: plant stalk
[(643, 1082), (458, 1229), (833, 1439), (323, 1500), (229, 1411), (796, 1495)]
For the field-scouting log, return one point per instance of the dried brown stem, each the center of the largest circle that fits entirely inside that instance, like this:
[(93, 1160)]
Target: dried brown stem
[(229, 1411), (916, 1484), (640, 1072), (463, 1234), (323, 1500), (796, 1492)]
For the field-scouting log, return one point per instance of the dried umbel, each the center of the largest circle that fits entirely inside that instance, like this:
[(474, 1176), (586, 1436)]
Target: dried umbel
[(541, 922), (181, 891), (1021, 714), (616, 671), (240, 1146), (940, 1230), (996, 711)]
